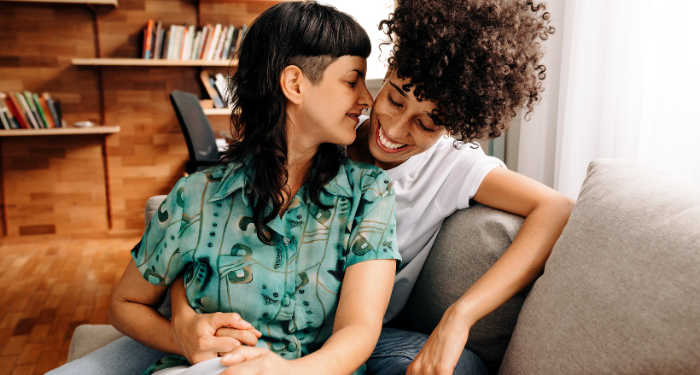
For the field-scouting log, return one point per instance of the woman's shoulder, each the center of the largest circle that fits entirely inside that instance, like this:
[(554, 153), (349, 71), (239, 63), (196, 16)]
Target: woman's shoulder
[(364, 177)]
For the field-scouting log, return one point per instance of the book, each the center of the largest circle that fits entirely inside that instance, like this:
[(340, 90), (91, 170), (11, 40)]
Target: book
[(214, 39), (27, 111), (189, 40), (172, 36), (222, 87), (164, 48), (228, 42), (158, 51), (220, 43), (234, 38), (213, 93), (45, 111), (29, 100), (147, 40), (42, 115), (59, 113), (4, 113), (241, 34), (195, 45), (52, 109), (16, 110), (206, 35)]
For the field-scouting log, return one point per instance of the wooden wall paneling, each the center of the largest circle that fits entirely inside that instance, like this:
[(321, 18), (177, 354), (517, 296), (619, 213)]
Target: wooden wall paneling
[(147, 157), (54, 185)]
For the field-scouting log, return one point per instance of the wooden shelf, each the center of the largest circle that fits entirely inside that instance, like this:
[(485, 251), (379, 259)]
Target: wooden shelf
[(217, 111), (142, 62), (98, 2), (59, 131)]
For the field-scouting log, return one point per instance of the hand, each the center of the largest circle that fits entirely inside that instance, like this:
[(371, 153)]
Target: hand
[(441, 352), (196, 334), (246, 360), (244, 336)]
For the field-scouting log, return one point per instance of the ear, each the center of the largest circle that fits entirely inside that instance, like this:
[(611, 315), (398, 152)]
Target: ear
[(291, 82)]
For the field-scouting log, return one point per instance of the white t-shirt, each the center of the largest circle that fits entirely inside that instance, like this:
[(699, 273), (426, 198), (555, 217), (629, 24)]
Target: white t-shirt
[(430, 187)]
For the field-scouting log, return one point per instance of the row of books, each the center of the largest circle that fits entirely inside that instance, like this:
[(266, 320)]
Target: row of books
[(182, 42), (217, 88), (26, 110)]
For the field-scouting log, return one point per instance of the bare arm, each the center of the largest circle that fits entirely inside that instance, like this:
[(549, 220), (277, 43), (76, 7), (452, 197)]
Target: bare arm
[(363, 301), (132, 311), (546, 213)]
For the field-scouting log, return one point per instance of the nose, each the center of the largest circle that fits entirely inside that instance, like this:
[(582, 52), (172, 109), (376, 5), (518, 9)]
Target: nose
[(365, 98), (397, 129)]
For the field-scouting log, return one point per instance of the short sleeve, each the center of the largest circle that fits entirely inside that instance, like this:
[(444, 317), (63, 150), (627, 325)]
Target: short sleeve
[(465, 178), (374, 235), (158, 256)]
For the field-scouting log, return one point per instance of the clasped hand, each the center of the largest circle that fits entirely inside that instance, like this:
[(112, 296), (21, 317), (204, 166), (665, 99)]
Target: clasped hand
[(206, 336)]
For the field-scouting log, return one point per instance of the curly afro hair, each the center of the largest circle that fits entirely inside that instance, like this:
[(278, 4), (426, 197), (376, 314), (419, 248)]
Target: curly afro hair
[(478, 60)]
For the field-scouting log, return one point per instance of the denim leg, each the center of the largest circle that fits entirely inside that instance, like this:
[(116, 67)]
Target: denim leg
[(121, 357), (397, 348)]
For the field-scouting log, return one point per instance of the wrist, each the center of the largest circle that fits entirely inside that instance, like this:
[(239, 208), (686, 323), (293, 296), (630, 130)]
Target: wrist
[(461, 314)]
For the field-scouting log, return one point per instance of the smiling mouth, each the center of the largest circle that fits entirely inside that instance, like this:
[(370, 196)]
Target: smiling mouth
[(387, 145), (354, 116)]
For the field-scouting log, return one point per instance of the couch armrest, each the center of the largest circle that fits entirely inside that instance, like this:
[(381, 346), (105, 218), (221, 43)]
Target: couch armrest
[(89, 337)]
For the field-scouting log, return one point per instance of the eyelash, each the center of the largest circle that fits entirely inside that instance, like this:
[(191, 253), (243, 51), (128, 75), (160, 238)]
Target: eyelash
[(395, 104), (353, 84), (420, 124)]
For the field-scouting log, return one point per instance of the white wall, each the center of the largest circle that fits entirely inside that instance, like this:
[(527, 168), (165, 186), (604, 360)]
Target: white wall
[(369, 13), (537, 147)]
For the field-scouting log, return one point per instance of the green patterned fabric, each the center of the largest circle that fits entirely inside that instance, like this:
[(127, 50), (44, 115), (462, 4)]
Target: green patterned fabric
[(287, 290)]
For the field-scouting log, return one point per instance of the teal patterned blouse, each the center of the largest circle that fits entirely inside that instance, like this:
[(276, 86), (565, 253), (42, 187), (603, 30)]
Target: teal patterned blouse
[(287, 290)]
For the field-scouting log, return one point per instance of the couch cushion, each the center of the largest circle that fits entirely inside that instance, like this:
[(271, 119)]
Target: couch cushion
[(89, 337), (621, 291), (469, 242)]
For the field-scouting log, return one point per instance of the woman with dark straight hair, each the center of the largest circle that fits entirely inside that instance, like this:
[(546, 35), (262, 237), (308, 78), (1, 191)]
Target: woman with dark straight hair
[(292, 239)]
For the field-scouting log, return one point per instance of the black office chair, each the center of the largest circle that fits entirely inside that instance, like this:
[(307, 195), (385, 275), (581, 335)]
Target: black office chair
[(201, 143)]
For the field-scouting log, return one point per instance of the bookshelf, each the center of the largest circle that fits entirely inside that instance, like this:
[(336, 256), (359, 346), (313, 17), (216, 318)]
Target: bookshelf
[(88, 2), (143, 62), (59, 131)]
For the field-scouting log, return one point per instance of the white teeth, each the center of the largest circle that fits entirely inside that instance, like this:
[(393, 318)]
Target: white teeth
[(387, 143)]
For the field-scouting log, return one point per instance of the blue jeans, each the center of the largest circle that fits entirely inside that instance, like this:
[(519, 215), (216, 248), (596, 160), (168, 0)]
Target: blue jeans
[(397, 348), (122, 357)]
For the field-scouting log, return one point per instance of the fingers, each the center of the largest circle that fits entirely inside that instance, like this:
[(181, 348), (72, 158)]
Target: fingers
[(242, 354), (247, 337), (232, 320)]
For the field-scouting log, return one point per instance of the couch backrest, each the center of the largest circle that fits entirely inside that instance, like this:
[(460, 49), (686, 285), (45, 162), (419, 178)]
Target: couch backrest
[(469, 243)]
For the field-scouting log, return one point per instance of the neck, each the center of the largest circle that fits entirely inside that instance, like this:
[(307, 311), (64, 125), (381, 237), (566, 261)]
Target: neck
[(300, 157)]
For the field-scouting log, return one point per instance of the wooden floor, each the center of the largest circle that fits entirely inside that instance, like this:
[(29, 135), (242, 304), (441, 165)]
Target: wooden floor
[(46, 290)]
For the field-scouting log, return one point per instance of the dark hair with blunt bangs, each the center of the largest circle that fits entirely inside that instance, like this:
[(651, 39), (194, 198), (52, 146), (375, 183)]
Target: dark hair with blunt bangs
[(478, 60), (310, 36)]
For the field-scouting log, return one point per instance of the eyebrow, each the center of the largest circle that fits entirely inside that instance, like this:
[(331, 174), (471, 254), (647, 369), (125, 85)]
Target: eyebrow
[(360, 73), (401, 92)]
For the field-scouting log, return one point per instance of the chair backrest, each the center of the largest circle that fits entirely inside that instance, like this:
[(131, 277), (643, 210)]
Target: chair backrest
[(200, 139)]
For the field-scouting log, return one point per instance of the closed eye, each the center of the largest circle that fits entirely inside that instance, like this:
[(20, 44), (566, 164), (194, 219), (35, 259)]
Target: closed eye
[(395, 104), (424, 128)]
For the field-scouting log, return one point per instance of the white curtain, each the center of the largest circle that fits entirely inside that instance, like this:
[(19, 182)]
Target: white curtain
[(628, 87)]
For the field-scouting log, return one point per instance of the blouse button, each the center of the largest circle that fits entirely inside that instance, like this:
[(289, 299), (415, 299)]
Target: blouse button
[(278, 345), (286, 301), (292, 347)]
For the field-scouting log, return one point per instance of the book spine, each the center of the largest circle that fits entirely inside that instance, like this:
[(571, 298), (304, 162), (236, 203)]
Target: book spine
[(214, 40), (203, 42), (16, 110), (195, 44), (188, 44), (42, 115), (213, 94), (227, 44), (4, 113), (30, 101), (171, 42), (27, 111), (183, 42), (52, 109), (148, 40), (59, 113), (44, 105), (220, 44), (158, 48)]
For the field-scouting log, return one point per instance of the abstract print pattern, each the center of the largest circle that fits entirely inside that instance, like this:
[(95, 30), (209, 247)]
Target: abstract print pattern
[(288, 290)]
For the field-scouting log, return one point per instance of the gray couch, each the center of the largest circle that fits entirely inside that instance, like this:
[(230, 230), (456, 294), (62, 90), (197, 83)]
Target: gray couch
[(620, 293)]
